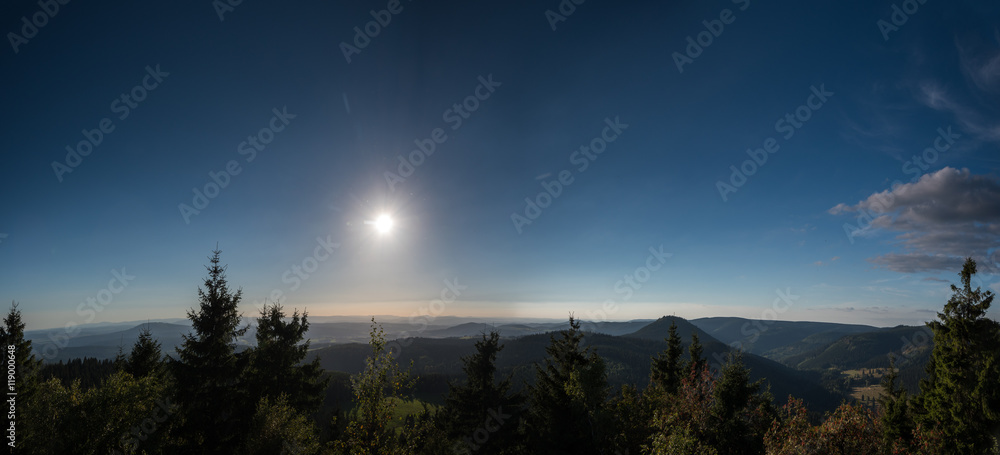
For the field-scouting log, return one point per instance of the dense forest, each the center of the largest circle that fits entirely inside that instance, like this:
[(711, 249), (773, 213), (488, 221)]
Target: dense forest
[(211, 397)]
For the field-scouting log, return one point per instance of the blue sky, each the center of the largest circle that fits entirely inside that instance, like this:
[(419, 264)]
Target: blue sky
[(530, 89)]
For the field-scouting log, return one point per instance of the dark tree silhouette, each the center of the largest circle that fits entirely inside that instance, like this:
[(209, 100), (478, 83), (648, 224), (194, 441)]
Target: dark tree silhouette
[(668, 368), (277, 362), (482, 413), (26, 365), (697, 361), (145, 358), (960, 395), (208, 370), (567, 414)]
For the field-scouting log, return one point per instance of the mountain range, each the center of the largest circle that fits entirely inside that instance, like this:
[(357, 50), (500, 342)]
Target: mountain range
[(810, 360)]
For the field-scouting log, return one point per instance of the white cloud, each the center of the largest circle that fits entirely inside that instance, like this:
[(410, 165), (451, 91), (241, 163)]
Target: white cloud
[(940, 219)]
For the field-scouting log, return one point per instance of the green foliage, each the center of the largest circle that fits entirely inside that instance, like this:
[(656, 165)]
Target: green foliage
[(124, 415), (728, 415), (89, 371), (368, 432), (52, 409), (683, 441), (960, 396), (278, 428), (421, 433), (567, 413), (682, 422), (632, 413), (209, 372)]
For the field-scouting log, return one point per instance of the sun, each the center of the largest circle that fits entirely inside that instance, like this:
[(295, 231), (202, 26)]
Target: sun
[(383, 224)]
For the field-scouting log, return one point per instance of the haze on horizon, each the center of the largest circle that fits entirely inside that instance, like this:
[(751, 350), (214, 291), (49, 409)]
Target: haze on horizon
[(803, 162)]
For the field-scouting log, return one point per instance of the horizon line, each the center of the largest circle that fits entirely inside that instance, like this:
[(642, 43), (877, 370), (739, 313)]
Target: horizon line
[(139, 322)]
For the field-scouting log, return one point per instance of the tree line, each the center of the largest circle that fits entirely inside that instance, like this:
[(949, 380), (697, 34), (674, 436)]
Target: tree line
[(211, 398)]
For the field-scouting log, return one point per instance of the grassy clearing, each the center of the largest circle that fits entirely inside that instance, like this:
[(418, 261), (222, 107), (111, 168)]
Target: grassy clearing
[(867, 392), (406, 408), (876, 372)]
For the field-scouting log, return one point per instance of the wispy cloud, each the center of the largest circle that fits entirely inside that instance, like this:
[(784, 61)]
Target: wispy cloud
[(821, 263), (981, 68), (935, 279), (974, 109), (980, 126)]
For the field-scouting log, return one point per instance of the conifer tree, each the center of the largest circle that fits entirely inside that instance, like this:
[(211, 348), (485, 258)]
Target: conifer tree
[(567, 401), (697, 361), (145, 358), (897, 424), (742, 409), (276, 363), (482, 404), (960, 396), (26, 368), (667, 368), (209, 371), (376, 392), (25, 363), (633, 414)]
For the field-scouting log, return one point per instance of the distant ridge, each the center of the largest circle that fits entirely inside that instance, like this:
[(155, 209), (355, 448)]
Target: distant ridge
[(773, 339), (660, 328)]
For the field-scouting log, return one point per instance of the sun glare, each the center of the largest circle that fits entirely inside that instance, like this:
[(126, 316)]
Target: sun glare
[(383, 224)]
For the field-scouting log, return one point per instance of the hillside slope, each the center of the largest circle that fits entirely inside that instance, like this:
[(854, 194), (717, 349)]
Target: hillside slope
[(628, 359), (777, 340)]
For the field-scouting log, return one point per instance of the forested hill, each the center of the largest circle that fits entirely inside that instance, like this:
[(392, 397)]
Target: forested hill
[(776, 339), (804, 359), (585, 391), (628, 359)]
